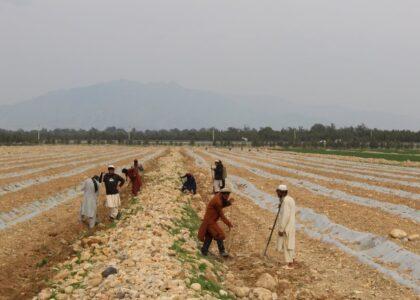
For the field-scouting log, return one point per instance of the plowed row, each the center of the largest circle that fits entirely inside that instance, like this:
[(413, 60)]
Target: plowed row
[(357, 220)]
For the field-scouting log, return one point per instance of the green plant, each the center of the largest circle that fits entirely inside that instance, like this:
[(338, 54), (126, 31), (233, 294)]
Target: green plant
[(42, 262)]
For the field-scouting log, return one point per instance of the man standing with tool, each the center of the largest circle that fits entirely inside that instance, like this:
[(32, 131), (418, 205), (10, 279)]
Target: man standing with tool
[(209, 229), (286, 227)]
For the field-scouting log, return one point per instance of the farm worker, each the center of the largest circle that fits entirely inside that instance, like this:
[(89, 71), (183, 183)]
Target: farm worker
[(189, 184), (112, 184), (135, 180), (218, 181), (209, 228), (88, 209), (286, 226), (138, 167)]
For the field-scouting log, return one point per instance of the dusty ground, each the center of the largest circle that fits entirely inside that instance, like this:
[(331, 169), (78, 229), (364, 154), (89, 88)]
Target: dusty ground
[(29, 250), (43, 190), (351, 215), (363, 192), (325, 271)]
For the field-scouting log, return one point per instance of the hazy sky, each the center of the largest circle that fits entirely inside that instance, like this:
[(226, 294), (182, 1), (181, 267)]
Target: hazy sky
[(360, 53)]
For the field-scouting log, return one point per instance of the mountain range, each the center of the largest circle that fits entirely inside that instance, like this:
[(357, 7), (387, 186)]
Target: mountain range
[(130, 104)]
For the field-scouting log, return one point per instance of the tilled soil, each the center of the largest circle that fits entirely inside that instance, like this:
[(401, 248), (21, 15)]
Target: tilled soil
[(353, 216), (64, 167), (28, 250), (357, 191), (364, 162), (354, 168), (412, 186), (325, 271), (35, 154), (12, 200)]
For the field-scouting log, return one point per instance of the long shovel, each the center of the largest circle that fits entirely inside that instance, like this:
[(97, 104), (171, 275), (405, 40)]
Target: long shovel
[(272, 229)]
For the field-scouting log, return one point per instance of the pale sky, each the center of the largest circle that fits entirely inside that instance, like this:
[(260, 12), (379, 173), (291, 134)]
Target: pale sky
[(358, 53)]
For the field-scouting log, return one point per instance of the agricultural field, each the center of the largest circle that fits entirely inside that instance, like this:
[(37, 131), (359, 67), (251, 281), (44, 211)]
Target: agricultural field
[(347, 208), (40, 196), (382, 156)]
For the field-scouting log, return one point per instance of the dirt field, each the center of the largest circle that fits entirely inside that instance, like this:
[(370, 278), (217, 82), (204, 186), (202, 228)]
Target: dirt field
[(32, 244), (362, 222), (347, 208)]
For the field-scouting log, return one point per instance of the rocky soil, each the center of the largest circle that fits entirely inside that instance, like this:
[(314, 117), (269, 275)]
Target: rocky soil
[(150, 254), (153, 253)]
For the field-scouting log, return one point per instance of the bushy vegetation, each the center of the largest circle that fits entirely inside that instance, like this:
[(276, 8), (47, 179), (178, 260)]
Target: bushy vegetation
[(317, 136), (398, 156)]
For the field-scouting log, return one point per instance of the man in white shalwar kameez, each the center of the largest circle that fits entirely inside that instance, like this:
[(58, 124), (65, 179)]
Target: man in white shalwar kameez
[(286, 226), (88, 209)]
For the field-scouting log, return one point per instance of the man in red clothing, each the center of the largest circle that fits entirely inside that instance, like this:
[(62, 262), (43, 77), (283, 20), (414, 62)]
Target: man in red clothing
[(209, 228), (135, 180)]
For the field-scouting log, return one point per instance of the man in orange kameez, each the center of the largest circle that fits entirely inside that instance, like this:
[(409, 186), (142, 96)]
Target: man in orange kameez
[(209, 228)]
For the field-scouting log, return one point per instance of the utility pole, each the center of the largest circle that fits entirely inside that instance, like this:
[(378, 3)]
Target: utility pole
[(129, 134), (294, 136), (39, 133), (213, 136)]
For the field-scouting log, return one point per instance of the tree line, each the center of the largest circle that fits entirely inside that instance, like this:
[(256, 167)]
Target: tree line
[(318, 135)]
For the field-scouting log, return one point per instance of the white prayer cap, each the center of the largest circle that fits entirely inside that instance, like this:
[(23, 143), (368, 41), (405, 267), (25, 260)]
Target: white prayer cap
[(282, 187), (111, 167), (225, 190)]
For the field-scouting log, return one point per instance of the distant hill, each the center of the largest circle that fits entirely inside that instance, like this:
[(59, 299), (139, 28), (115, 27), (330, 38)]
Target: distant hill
[(124, 103)]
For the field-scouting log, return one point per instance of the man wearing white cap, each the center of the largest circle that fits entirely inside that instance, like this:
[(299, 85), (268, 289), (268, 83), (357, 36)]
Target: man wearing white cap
[(112, 184), (286, 226)]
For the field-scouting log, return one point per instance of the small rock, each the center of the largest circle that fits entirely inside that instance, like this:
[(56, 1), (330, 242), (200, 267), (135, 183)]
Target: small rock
[(196, 286), (397, 233), (109, 271), (413, 237), (68, 290), (284, 284), (95, 281), (267, 281), (223, 293), (45, 294), (230, 277), (209, 275), (120, 294), (262, 294), (62, 297), (85, 256), (241, 292)]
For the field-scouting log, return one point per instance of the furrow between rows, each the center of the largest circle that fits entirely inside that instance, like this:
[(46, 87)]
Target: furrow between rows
[(375, 251), (27, 211), (310, 175)]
